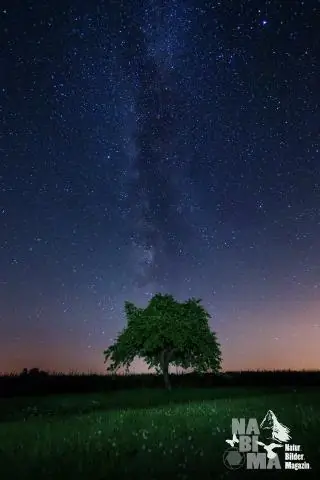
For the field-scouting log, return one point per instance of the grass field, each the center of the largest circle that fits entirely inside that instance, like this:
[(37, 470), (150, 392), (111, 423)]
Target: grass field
[(146, 434)]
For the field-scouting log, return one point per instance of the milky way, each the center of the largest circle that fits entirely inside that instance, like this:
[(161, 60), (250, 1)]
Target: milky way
[(159, 229)]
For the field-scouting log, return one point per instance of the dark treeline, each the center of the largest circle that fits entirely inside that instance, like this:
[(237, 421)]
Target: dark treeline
[(37, 382)]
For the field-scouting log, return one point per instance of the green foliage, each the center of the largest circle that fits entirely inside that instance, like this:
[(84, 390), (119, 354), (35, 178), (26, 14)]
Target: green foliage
[(167, 332)]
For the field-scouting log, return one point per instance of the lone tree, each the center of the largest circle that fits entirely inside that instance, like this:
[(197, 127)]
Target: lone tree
[(166, 332)]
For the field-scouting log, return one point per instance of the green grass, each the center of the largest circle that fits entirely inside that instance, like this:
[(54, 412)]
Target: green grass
[(145, 434)]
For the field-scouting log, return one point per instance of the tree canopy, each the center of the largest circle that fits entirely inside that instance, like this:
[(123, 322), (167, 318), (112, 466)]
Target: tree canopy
[(166, 332)]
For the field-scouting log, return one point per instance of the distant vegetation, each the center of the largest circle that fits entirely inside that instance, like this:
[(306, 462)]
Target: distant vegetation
[(37, 382)]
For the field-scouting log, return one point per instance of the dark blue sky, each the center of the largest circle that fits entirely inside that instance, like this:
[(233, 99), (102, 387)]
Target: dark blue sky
[(159, 146)]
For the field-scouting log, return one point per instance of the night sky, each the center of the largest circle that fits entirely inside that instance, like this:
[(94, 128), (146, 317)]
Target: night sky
[(154, 146)]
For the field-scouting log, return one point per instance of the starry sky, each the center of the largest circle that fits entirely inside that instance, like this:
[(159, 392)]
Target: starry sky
[(159, 146)]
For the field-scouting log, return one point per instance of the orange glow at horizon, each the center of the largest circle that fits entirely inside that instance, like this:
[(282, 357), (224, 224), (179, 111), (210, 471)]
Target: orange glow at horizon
[(292, 343)]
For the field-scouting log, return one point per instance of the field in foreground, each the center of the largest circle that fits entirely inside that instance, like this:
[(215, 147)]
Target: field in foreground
[(146, 434)]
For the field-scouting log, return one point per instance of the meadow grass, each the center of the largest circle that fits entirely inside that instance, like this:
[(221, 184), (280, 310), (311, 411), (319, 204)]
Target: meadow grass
[(146, 434)]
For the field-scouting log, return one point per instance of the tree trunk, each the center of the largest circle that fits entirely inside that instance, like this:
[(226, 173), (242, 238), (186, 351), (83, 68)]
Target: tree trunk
[(165, 369), (166, 378)]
